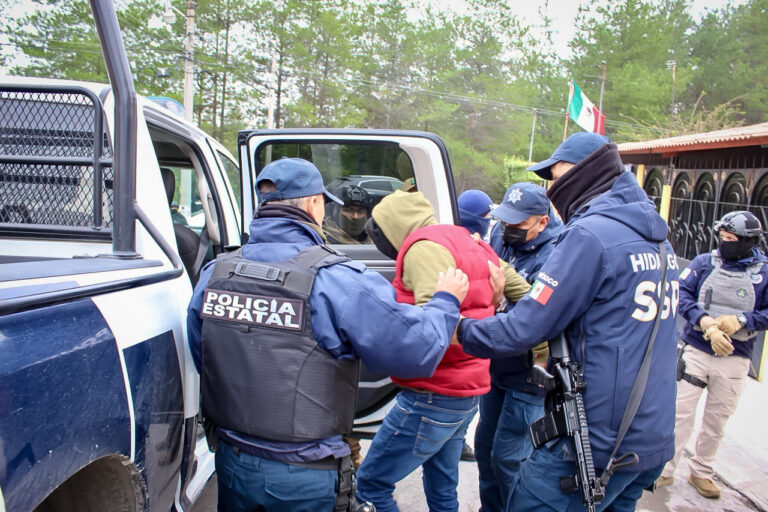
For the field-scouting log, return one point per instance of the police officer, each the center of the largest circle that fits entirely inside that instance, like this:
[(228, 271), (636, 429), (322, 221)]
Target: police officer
[(524, 237), (274, 328), (527, 228), (346, 224), (724, 298), (599, 285)]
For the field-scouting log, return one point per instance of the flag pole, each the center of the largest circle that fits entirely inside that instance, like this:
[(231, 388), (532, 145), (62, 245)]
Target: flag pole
[(568, 109)]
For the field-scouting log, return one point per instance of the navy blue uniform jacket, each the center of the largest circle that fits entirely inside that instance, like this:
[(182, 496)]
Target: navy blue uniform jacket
[(527, 259), (353, 314), (599, 283)]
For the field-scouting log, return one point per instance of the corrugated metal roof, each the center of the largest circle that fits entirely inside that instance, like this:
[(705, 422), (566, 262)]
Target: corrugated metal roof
[(731, 137)]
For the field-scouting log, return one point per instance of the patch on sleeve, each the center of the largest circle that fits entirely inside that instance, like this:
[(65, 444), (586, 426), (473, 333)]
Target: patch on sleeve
[(540, 292), (685, 273), (253, 309)]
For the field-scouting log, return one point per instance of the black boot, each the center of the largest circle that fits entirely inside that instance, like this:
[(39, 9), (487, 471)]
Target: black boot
[(467, 453)]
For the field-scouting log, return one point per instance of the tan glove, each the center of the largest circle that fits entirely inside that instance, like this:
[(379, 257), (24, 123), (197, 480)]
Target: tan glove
[(721, 343), (706, 321), (729, 324)]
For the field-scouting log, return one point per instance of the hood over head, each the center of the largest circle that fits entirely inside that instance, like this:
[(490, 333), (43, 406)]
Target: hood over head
[(627, 203), (401, 213)]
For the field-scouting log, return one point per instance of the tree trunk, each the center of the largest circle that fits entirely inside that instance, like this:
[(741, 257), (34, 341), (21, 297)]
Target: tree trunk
[(224, 84)]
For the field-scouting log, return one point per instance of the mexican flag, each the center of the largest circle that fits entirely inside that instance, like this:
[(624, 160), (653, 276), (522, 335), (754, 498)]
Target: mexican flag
[(584, 112)]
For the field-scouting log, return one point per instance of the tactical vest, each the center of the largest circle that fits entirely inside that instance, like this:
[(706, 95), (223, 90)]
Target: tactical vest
[(263, 372), (728, 292)]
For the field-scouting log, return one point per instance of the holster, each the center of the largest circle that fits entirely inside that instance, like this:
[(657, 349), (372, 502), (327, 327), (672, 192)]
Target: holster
[(345, 493), (680, 363), (346, 489), (211, 435), (682, 375)]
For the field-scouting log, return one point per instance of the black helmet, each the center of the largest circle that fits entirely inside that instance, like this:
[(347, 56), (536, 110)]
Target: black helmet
[(741, 223), (352, 195)]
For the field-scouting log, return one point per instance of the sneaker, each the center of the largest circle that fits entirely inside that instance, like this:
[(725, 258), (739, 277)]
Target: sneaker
[(705, 487), (664, 481), (467, 453)]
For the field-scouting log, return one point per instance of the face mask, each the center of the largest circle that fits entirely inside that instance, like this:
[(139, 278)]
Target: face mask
[(513, 235), (474, 223), (379, 240), (353, 226), (734, 251)]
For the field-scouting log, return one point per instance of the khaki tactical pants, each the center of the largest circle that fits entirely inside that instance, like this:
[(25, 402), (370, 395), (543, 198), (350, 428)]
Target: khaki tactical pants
[(725, 378)]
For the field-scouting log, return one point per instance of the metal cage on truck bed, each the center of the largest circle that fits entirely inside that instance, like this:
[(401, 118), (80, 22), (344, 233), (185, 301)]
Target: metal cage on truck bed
[(56, 169)]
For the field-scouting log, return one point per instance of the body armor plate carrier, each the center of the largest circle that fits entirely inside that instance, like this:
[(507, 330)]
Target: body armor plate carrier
[(263, 373), (728, 292)]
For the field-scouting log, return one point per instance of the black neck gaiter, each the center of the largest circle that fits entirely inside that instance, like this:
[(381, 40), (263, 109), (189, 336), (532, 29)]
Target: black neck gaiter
[(381, 242), (285, 211), (736, 250), (589, 178)]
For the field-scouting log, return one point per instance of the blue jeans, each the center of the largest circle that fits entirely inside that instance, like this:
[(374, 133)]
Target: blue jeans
[(539, 486), (422, 429), (502, 443), (250, 483)]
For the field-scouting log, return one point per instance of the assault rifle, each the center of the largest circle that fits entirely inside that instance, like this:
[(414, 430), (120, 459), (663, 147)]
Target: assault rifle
[(565, 417)]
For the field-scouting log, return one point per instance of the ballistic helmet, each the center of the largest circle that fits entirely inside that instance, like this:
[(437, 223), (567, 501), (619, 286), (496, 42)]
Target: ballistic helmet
[(352, 195), (741, 223)]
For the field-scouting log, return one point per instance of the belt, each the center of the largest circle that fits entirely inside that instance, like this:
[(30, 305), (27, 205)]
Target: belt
[(329, 462), (325, 463), (695, 381)]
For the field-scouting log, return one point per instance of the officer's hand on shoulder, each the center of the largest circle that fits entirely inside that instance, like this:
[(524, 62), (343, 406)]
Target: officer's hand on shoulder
[(498, 280), (453, 281)]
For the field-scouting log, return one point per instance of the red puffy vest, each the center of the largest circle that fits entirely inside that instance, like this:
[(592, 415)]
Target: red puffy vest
[(457, 374)]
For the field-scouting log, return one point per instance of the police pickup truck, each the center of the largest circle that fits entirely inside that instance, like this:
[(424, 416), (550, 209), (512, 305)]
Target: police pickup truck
[(109, 206)]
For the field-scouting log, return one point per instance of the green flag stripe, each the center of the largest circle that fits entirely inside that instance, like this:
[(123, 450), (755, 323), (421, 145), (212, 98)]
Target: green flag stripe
[(574, 108)]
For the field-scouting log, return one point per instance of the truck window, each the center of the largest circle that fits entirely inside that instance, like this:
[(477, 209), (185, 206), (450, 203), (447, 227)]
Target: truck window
[(186, 206), (195, 207), (360, 174), (232, 175)]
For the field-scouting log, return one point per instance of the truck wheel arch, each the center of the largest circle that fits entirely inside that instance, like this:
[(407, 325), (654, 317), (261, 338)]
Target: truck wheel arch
[(109, 483)]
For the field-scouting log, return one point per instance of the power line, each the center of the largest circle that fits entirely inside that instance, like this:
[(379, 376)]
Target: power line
[(85, 47)]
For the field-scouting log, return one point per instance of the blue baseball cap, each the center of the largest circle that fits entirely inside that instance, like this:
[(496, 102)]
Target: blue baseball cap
[(475, 201), (520, 202), (293, 177), (574, 149)]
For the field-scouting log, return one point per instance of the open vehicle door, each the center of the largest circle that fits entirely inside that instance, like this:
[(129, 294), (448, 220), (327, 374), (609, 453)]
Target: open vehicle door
[(378, 161)]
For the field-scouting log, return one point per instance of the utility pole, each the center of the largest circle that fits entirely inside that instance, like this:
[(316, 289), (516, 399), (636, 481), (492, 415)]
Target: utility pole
[(602, 88), (568, 110), (271, 104), (189, 56), (671, 64), (672, 110), (533, 130)]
